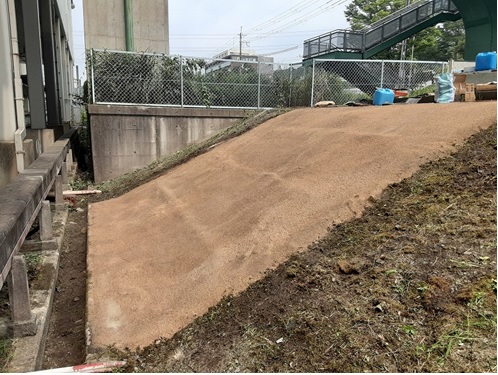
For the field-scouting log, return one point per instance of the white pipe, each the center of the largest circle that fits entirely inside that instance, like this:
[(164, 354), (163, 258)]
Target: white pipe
[(88, 368), (7, 107), (20, 133)]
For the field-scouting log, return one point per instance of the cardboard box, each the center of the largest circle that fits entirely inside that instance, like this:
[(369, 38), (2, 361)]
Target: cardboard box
[(466, 93), (470, 94), (459, 84), (470, 97)]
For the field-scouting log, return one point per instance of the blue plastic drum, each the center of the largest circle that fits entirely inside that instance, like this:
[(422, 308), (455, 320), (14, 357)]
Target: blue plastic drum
[(486, 61), (383, 96)]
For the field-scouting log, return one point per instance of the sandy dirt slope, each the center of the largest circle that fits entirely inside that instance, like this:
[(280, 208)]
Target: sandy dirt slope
[(163, 253)]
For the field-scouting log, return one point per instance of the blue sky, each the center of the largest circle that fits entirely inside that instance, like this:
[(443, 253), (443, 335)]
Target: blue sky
[(203, 28)]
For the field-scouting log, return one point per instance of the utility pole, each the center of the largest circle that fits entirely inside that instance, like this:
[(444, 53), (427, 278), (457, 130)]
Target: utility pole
[(240, 44), (404, 42), (404, 45)]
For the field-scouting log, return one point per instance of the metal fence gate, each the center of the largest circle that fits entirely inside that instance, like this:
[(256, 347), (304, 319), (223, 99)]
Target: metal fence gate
[(154, 79)]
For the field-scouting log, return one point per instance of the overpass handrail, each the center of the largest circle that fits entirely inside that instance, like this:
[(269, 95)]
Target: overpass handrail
[(396, 14)]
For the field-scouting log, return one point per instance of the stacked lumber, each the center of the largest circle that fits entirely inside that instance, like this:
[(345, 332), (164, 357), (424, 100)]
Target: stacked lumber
[(486, 91)]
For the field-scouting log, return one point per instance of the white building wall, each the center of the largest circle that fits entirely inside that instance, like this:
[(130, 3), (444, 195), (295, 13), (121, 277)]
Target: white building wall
[(12, 126), (65, 52), (64, 7)]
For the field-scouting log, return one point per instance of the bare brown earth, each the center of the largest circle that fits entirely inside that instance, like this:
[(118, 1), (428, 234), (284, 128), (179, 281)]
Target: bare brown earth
[(164, 253), (410, 286)]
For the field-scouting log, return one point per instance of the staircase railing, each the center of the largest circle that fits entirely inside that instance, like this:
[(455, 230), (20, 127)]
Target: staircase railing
[(396, 14)]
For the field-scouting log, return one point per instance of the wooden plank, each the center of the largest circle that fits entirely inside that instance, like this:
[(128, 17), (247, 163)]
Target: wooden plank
[(80, 192), (486, 87)]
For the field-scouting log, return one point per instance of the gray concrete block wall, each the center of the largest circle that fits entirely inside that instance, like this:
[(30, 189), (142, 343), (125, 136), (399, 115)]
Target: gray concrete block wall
[(126, 138), (8, 167)]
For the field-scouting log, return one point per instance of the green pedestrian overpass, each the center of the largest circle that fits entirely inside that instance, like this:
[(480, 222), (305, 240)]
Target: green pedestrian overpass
[(479, 17)]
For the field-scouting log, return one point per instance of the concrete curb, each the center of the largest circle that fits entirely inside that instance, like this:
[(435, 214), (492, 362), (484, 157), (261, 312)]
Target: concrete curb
[(28, 351)]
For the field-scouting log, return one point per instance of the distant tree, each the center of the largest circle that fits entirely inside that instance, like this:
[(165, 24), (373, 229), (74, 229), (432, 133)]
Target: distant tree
[(452, 42), (440, 42), (362, 13)]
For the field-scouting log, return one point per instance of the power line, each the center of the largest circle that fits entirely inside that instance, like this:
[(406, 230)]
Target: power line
[(281, 51), (289, 12), (271, 21), (215, 36), (278, 18), (299, 7), (304, 18)]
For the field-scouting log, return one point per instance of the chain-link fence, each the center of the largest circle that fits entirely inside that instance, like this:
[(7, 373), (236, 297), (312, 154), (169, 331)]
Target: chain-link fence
[(349, 80), (152, 79)]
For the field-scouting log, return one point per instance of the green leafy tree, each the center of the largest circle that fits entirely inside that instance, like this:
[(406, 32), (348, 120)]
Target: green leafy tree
[(362, 13), (440, 42)]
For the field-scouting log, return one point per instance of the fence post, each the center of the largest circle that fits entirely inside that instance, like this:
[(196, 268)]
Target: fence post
[(382, 75), (92, 73), (59, 197), (24, 321), (69, 160), (64, 173), (290, 84), (312, 83), (181, 81), (45, 219), (259, 83)]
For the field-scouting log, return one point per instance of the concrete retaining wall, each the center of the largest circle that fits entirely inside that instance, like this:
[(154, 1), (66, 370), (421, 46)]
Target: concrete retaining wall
[(127, 138)]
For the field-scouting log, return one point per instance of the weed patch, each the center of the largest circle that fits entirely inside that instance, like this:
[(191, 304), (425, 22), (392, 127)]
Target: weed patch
[(5, 353)]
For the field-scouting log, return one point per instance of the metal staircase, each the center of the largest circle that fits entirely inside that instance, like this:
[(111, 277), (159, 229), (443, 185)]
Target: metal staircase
[(398, 26)]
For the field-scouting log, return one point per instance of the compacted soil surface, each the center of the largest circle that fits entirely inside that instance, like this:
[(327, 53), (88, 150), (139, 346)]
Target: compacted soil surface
[(163, 253), (407, 284), (410, 286)]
